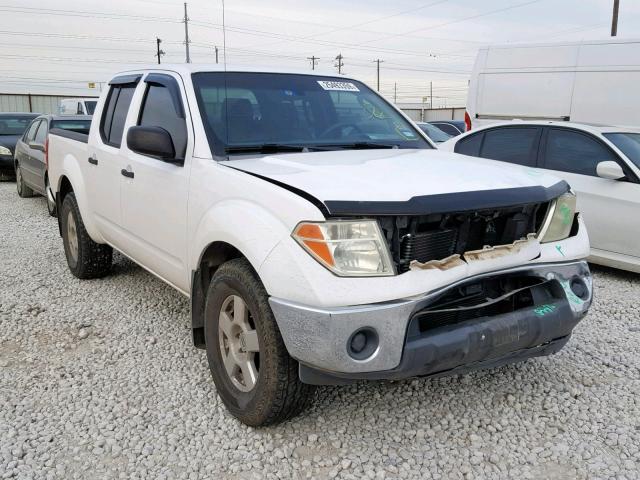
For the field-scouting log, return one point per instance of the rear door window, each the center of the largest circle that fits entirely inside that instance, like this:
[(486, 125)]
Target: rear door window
[(575, 152), (115, 114), (517, 145)]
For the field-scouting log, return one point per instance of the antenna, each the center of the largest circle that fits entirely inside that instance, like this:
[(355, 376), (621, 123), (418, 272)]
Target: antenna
[(224, 39)]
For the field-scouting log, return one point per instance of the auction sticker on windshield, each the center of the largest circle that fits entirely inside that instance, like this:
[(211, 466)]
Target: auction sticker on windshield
[(338, 86)]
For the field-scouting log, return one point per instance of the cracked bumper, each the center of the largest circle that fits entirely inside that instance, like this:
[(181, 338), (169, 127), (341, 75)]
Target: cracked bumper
[(318, 337)]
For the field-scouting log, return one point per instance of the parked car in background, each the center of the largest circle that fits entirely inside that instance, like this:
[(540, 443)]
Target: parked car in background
[(77, 106), (451, 127), (602, 165), (12, 126), (434, 133), (583, 82), (31, 153), (319, 243)]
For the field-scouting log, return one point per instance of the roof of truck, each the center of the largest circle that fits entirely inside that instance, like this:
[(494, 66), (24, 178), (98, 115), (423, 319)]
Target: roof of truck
[(188, 68)]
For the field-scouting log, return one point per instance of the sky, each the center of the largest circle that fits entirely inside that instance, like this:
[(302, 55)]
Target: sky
[(59, 47)]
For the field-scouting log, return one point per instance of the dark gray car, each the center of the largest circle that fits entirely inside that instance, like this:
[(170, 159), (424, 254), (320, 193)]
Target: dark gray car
[(12, 126), (31, 153)]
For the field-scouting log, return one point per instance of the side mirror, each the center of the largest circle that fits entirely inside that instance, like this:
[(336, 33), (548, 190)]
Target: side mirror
[(152, 141), (36, 146), (610, 170)]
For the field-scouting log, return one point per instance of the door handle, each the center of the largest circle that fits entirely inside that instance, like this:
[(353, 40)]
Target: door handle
[(93, 161), (127, 173)]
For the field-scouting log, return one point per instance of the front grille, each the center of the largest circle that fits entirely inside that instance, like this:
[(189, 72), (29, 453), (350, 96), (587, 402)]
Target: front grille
[(438, 236)]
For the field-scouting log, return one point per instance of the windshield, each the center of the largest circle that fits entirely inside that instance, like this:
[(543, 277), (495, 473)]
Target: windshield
[(287, 112), (14, 125), (629, 143), (90, 106), (80, 126), (434, 133)]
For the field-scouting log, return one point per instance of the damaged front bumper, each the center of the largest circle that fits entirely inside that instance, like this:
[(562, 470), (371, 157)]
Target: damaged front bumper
[(530, 311)]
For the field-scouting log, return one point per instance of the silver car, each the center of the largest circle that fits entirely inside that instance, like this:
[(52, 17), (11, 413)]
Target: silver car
[(31, 153)]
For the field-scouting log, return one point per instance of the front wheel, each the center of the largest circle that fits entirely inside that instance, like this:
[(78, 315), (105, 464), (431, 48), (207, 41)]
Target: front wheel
[(254, 375)]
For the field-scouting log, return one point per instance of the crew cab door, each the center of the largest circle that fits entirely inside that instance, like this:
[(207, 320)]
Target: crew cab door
[(608, 206), (154, 192), (104, 163)]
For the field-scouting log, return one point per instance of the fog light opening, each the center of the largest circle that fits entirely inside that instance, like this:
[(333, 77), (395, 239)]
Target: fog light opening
[(579, 288), (363, 343)]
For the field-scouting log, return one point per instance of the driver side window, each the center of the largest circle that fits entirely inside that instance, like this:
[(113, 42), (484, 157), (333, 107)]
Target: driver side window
[(574, 152)]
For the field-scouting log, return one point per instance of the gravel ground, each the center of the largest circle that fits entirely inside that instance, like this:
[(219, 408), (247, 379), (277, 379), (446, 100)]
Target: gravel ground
[(99, 380)]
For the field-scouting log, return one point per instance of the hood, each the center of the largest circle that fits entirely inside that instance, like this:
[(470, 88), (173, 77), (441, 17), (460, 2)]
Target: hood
[(9, 141), (397, 181)]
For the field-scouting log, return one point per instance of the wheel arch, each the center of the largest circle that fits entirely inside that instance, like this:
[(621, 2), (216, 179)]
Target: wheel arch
[(214, 255)]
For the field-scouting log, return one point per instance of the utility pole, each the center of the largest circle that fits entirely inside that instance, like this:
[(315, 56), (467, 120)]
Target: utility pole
[(216, 47), (378, 62), (159, 51), (614, 20), (314, 61), (186, 33), (395, 92), (339, 63), (430, 95)]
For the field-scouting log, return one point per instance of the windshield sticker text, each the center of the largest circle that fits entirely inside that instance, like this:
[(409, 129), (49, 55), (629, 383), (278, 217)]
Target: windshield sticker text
[(338, 86)]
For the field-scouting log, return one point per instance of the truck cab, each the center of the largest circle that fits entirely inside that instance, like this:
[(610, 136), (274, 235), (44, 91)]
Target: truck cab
[(320, 236)]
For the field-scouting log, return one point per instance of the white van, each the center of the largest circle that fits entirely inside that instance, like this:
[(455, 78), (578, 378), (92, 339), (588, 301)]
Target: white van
[(77, 106), (587, 82)]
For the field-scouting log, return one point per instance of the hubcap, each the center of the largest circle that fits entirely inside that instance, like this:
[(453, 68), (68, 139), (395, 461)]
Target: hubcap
[(239, 344), (72, 236)]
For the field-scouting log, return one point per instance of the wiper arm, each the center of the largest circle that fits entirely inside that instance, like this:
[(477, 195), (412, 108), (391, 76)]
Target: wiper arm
[(363, 145), (266, 148)]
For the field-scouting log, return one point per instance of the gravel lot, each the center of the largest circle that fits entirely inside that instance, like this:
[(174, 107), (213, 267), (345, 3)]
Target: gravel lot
[(99, 380)]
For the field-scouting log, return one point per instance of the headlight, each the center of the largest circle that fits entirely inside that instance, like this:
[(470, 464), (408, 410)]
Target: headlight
[(4, 150), (347, 248), (557, 225)]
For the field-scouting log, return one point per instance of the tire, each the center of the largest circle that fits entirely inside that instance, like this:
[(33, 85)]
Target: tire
[(51, 206), (23, 190), (278, 393), (86, 258)]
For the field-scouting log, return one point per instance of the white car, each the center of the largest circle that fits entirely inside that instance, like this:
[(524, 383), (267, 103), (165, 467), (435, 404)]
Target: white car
[(602, 165), (320, 236), (77, 106)]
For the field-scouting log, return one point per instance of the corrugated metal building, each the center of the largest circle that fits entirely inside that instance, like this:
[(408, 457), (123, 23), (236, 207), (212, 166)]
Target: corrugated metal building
[(11, 102)]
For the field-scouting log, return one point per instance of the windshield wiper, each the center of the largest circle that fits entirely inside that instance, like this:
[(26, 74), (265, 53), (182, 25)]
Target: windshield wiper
[(266, 148), (362, 145)]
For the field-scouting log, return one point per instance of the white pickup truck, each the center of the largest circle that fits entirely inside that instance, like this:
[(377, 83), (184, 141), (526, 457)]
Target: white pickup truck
[(321, 237)]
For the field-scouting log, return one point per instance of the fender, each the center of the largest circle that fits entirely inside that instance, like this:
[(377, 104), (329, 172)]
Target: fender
[(71, 170), (246, 225)]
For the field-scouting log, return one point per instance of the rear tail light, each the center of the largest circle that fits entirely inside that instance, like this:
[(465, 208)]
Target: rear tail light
[(467, 121)]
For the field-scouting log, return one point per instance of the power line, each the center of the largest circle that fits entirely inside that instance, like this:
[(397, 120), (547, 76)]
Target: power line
[(84, 14)]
